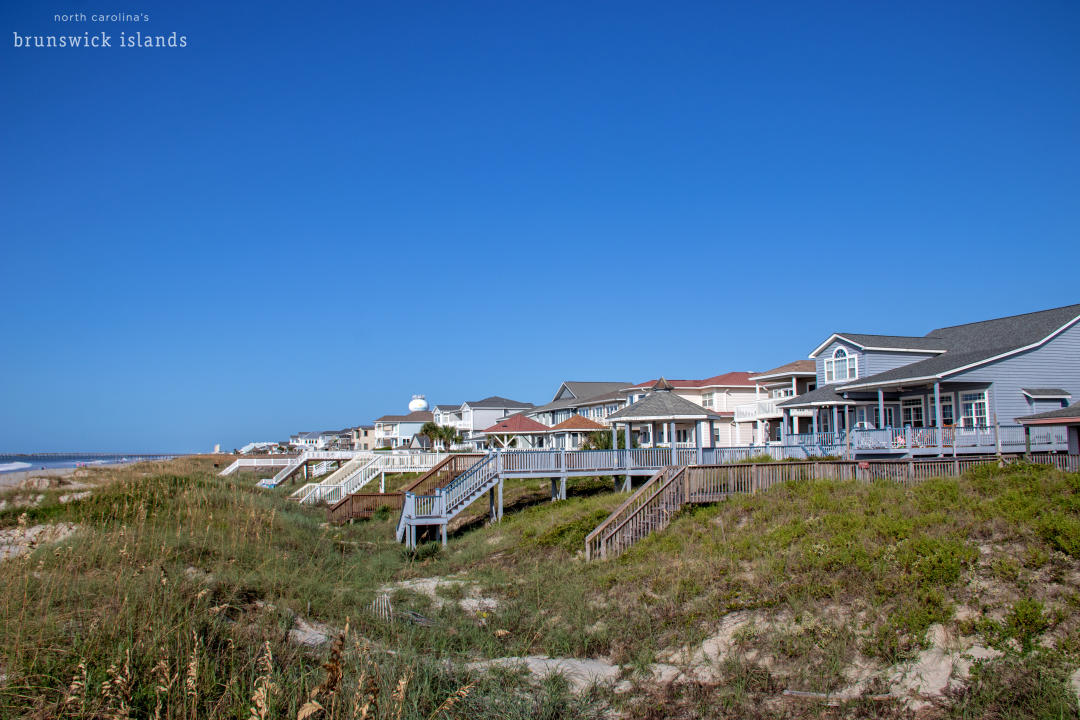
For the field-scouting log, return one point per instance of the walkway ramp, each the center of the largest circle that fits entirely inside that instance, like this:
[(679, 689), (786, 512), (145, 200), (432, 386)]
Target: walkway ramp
[(356, 474), (361, 506)]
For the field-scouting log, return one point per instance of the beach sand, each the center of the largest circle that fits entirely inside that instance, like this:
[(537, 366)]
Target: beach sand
[(17, 478)]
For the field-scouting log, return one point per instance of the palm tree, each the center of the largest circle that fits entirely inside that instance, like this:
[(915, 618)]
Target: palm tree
[(431, 431), (449, 435), (601, 440)]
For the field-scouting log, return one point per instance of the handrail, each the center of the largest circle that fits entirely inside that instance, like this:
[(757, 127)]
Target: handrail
[(655, 478), (644, 505)]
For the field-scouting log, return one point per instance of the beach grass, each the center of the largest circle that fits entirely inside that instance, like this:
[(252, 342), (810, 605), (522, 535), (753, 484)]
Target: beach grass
[(177, 594)]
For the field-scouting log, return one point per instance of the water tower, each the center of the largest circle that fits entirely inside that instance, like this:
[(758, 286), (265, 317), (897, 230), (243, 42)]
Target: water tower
[(418, 403)]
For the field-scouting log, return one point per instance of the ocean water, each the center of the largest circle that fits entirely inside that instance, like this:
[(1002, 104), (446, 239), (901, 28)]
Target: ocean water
[(15, 463)]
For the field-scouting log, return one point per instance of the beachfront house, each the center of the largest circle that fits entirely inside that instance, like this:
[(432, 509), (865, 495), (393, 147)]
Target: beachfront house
[(720, 394), (472, 416), (363, 437), (321, 440), (661, 417), (760, 421), (397, 431), (592, 399), (968, 380)]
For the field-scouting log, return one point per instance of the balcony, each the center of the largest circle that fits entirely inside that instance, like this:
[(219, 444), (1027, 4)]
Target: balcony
[(765, 409)]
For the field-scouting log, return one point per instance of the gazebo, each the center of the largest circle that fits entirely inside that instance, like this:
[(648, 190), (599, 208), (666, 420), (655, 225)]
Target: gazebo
[(680, 420), (516, 431), (1067, 416)]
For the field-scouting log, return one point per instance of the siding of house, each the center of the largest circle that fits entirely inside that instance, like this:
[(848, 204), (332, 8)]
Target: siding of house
[(1051, 365), (871, 362)]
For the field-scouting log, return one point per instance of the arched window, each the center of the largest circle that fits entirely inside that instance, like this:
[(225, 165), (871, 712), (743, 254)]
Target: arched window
[(841, 366)]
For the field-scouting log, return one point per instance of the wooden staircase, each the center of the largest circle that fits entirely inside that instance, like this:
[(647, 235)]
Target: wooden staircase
[(360, 506), (445, 503)]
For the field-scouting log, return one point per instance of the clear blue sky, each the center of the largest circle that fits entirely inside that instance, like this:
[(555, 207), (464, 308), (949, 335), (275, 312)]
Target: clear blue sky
[(318, 209)]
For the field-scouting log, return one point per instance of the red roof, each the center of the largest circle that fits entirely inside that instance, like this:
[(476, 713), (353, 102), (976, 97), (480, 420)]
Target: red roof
[(515, 425), (577, 422), (731, 379)]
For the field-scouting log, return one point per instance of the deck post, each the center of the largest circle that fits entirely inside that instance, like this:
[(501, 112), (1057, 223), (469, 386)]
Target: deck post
[(697, 440), (443, 527), (881, 408), (554, 492), (491, 504), (562, 488), (1027, 442), (500, 498), (671, 440)]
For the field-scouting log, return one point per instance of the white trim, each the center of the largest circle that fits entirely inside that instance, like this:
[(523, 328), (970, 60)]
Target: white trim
[(837, 336), (969, 366), (793, 373), (847, 358)]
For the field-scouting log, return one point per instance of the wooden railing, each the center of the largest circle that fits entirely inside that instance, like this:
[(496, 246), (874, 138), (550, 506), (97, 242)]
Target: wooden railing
[(652, 506), (359, 506), (365, 504)]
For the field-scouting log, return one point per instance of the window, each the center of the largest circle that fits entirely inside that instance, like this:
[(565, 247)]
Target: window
[(947, 416), (682, 435), (974, 410), (707, 400), (890, 420), (911, 411), (782, 393), (841, 366)]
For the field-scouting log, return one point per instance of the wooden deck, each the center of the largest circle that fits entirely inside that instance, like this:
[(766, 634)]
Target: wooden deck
[(651, 508)]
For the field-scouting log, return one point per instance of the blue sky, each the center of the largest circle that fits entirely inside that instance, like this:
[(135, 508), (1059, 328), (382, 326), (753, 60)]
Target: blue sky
[(316, 210)]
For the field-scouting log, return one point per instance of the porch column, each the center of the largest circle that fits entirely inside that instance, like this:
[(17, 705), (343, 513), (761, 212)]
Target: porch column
[(627, 436), (835, 419), (614, 437), (1027, 441), (653, 440), (712, 433), (813, 420), (937, 419), (881, 408), (795, 424), (786, 415), (671, 440)]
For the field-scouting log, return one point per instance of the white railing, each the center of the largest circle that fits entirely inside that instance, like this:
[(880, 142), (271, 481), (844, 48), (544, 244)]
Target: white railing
[(924, 440), (766, 408), (351, 479), (255, 463)]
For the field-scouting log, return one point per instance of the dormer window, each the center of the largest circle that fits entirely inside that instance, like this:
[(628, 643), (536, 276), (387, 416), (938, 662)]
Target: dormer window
[(841, 366)]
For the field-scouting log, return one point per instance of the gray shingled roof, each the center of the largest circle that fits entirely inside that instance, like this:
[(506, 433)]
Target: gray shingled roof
[(826, 395), (585, 389), (586, 392), (896, 342), (496, 401), (977, 342), (1046, 392), (664, 405), (1066, 413)]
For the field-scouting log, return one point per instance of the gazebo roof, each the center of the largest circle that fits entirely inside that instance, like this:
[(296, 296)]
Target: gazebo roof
[(577, 422), (1061, 416), (516, 425), (662, 404)]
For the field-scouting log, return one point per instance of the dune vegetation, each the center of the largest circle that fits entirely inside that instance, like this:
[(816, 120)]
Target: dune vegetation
[(174, 593)]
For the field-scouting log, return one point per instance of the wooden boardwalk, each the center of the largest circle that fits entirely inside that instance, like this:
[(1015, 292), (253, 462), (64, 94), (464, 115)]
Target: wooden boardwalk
[(651, 508)]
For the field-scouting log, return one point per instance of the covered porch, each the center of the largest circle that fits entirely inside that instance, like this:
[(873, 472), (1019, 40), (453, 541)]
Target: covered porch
[(938, 418)]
